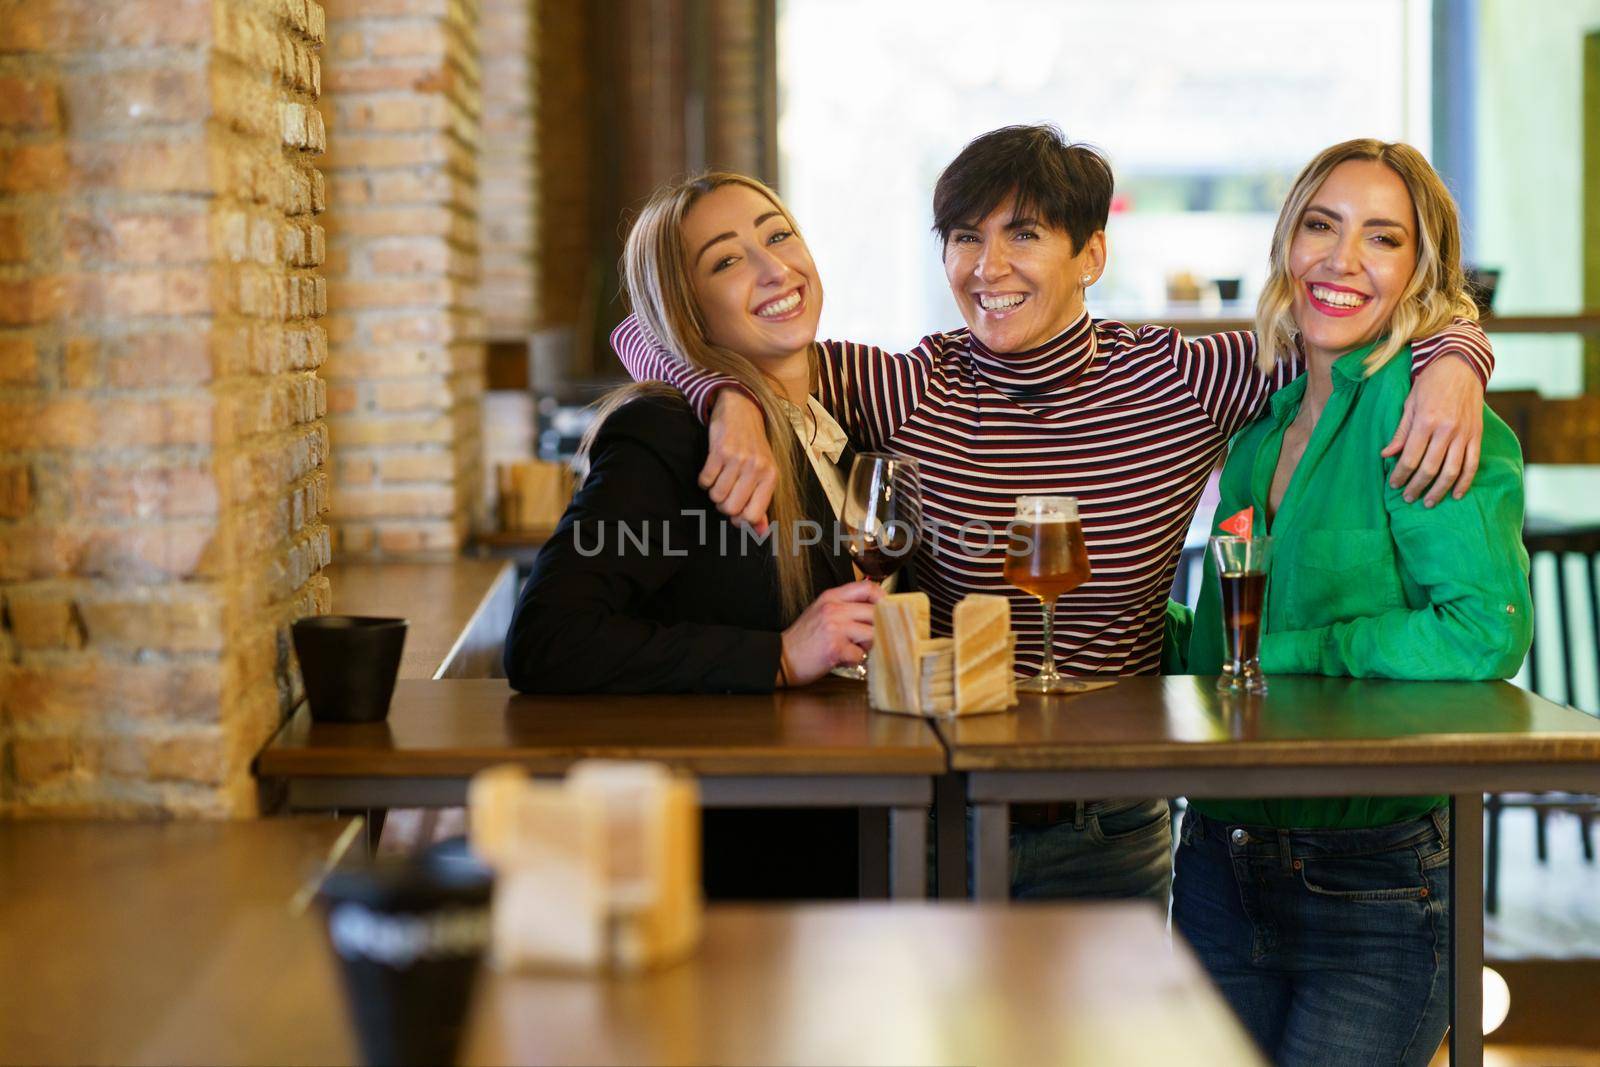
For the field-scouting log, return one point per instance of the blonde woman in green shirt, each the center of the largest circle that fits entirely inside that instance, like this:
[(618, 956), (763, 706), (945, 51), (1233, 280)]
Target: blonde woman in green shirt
[(1326, 922)]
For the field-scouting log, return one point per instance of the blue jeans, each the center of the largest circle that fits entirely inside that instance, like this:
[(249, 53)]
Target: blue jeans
[(1333, 946), (1108, 848)]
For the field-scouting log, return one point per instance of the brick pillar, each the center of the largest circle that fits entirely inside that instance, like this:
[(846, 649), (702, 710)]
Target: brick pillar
[(505, 232), (506, 175), (405, 367), (161, 440)]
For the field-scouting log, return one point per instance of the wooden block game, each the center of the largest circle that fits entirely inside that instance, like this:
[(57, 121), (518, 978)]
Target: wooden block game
[(600, 871), (911, 673)]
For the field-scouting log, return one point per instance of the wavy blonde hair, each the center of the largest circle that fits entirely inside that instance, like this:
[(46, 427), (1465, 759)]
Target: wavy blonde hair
[(1436, 292), (656, 275)]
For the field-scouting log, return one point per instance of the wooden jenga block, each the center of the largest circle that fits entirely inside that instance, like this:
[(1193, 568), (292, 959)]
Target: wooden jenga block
[(1011, 670), (653, 858), (936, 682), (602, 869), (983, 654), (899, 626), (547, 918), (547, 845), (493, 810), (673, 927), (631, 797)]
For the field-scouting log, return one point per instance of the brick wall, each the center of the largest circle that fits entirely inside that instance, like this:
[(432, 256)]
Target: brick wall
[(405, 366), (506, 174), (161, 439)]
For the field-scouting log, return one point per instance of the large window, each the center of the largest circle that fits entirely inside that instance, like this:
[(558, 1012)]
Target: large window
[(1207, 111)]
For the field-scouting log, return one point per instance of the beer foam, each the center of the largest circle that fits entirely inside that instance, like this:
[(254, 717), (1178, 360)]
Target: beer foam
[(1047, 509)]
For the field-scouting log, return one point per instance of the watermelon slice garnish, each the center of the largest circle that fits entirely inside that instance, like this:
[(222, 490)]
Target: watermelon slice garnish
[(1238, 524)]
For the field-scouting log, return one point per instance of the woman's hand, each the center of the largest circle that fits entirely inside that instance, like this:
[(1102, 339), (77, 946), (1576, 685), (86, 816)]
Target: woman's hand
[(739, 473), (835, 631), (1439, 433)]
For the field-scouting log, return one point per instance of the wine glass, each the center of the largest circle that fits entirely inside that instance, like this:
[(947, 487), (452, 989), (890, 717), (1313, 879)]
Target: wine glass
[(883, 514), (1047, 557)]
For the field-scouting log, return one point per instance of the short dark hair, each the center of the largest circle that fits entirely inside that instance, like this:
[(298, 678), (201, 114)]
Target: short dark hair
[(1066, 185)]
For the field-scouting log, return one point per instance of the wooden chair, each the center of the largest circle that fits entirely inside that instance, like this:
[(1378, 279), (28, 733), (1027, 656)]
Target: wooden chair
[(1560, 542)]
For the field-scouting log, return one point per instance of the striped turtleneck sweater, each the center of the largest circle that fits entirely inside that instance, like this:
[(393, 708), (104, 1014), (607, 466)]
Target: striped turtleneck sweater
[(1129, 421)]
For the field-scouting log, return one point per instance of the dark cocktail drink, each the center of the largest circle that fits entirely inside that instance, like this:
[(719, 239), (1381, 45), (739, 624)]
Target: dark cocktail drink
[(1241, 613), (1241, 564)]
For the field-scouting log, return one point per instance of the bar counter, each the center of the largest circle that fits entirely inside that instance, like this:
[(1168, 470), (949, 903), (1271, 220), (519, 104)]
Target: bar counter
[(457, 610)]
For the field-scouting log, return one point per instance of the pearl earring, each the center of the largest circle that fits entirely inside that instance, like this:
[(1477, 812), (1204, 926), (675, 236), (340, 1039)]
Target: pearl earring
[(1086, 279)]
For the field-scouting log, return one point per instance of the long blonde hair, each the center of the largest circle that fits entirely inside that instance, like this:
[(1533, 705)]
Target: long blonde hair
[(656, 273), (1436, 292)]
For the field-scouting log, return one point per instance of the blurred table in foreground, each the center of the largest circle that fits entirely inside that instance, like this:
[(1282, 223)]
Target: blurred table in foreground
[(1087, 983), (176, 943), (1311, 736), (819, 746), (166, 943)]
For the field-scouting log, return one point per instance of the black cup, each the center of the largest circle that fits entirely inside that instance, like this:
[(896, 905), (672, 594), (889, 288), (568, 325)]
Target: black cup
[(349, 663), (409, 936), (1227, 288)]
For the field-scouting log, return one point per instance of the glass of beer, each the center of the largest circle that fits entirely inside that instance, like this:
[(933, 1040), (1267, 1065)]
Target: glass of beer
[(883, 515), (1045, 558), (1242, 569)]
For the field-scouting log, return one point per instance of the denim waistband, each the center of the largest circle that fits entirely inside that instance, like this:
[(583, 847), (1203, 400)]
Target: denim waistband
[(1275, 842)]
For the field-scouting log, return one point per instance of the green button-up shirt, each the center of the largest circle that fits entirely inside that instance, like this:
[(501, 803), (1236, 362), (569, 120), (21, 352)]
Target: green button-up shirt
[(1362, 583)]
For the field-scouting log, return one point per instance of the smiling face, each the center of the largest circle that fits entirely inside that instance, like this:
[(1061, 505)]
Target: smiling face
[(753, 277), (1352, 256), (1019, 281)]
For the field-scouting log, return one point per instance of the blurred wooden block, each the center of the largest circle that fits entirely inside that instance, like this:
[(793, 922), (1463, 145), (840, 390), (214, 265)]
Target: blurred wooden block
[(602, 870), (547, 845), (652, 829), (533, 494)]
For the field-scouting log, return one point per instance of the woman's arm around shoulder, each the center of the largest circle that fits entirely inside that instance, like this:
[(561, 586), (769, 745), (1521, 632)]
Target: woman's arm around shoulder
[(1468, 558)]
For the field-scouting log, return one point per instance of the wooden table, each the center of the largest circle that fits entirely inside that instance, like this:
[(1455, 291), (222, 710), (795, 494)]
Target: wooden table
[(815, 747), (458, 610), (1087, 983), (1162, 737), (178, 943), (166, 943)]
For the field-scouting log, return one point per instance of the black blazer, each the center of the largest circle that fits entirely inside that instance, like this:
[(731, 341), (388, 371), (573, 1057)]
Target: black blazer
[(645, 586)]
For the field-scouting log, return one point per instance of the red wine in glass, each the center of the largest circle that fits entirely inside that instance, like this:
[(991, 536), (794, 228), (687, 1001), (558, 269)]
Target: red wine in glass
[(883, 512)]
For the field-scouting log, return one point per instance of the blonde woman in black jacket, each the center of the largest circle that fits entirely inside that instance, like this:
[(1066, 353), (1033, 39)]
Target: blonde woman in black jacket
[(645, 586)]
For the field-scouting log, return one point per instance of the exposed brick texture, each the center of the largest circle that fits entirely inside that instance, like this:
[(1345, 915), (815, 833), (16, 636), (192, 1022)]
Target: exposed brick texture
[(162, 445), (506, 180), (405, 368)]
